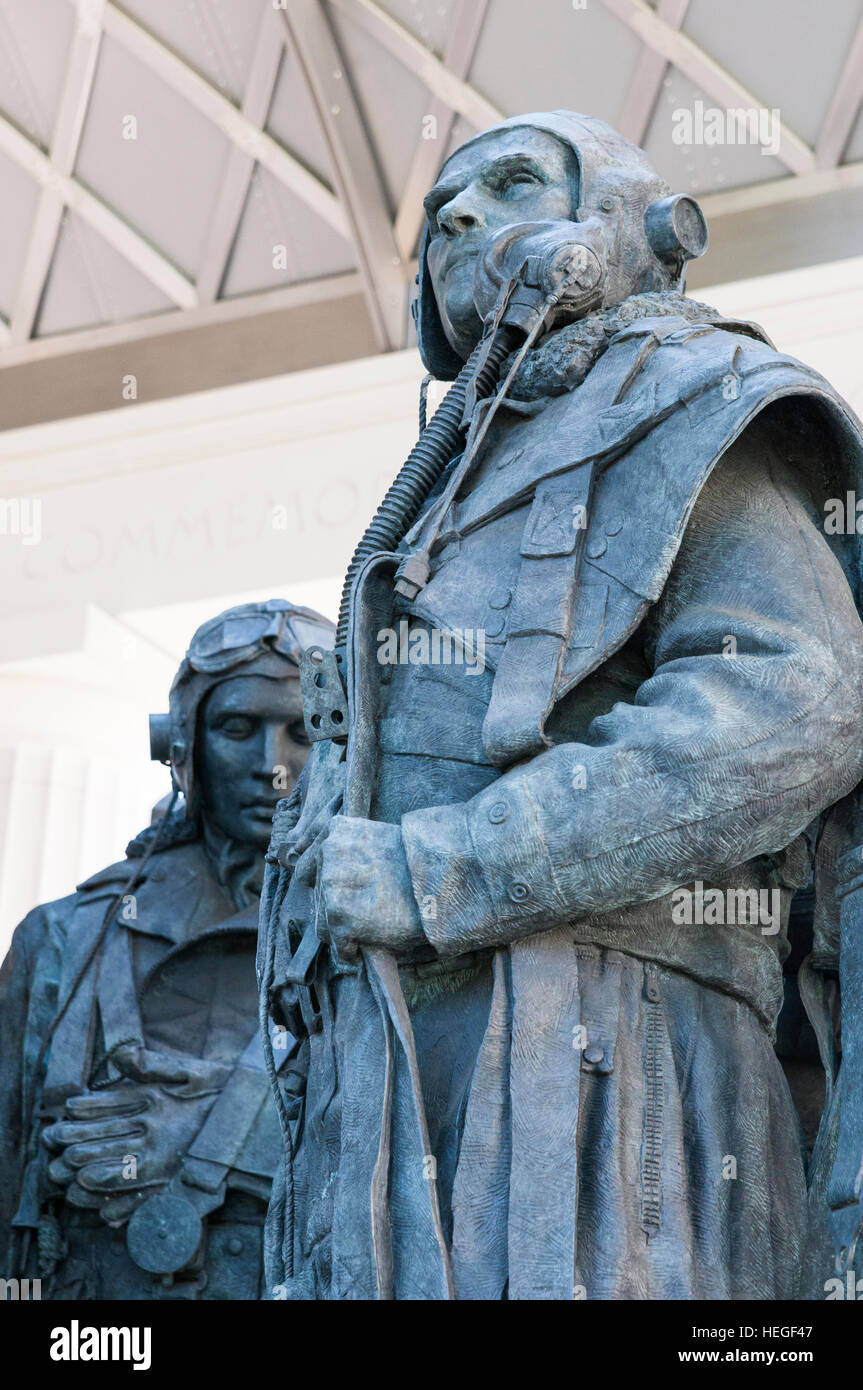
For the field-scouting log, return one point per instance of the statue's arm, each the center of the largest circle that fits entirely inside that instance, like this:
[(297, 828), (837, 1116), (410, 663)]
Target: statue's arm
[(17, 974), (720, 757)]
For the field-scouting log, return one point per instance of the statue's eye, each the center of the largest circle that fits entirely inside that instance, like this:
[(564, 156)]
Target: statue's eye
[(297, 733), (520, 178), (237, 726)]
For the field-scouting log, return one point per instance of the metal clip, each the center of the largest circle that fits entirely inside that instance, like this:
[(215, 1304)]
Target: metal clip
[(325, 706), (651, 983)]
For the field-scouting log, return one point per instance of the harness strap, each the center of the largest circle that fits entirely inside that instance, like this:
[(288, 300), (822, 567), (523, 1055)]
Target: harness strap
[(379, 966), (117, 996), (219, 1145), (73, 1041), (525, 683)]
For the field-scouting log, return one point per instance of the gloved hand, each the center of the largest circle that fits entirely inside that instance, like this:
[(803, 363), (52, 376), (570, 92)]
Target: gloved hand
[(119, 1145), (364, 889)]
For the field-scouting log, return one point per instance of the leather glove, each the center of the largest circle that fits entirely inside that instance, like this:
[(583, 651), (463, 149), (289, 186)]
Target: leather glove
[(364, 889), (116, 1146)]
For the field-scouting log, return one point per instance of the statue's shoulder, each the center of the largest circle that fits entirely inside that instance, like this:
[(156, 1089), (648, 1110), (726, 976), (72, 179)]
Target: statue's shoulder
[(109, 877), (661, 361), (683, 385), (708, 379), (179, 857), (41, 924), (690, 356)]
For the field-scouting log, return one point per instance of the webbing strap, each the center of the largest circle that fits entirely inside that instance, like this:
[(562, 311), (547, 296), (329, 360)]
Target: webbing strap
[(525, 683)]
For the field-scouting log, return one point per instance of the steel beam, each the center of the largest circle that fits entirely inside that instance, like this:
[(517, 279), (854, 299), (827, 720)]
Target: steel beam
[(457, 95), (647, 78), (224, 115), (355, 171), (705, 72), (224, 224), (842, 111), (460, 48), (71, 113), (138, 252)]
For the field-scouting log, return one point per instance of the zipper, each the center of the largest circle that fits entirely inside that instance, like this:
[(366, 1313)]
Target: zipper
[(654, 1078)]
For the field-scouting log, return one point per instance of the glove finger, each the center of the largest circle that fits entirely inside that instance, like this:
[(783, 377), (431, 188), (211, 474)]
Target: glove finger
[(306, 868), (142, 1064), (82, 1155), (115, 1211), (68, 1132), (125, 1100), (193, 1074), (77, 1197), (306, 835), (108, 1177), (60, 1172)]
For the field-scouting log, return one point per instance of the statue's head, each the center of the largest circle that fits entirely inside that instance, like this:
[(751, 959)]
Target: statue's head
[(548, 166), (234, 736)]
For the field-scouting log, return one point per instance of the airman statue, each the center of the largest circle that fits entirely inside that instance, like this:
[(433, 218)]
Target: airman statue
[(597, 679), (138, 1133)]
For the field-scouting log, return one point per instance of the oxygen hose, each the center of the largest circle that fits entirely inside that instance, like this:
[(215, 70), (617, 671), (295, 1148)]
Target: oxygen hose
[(423, 467)]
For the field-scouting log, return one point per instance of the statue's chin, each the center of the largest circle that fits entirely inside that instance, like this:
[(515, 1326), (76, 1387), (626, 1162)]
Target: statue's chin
[(463, 331)]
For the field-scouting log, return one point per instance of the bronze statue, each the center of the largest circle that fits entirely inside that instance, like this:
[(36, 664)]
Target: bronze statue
[(530, 911), (138, 1133)]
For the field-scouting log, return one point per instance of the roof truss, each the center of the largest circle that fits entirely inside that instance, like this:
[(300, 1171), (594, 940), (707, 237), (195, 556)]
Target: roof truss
[(356, 206)]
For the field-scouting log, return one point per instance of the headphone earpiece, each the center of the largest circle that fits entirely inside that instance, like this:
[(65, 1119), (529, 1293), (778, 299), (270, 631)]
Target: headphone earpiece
[(160, 738), (676, 229)]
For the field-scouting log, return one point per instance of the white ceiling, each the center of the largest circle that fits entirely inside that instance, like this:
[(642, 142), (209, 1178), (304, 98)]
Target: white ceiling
[(259, 125)]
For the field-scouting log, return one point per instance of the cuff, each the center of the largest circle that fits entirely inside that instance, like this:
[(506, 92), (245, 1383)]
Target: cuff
[(480, 870)]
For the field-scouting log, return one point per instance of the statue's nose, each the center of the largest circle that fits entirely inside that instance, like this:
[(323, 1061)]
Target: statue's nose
[(461, 214)]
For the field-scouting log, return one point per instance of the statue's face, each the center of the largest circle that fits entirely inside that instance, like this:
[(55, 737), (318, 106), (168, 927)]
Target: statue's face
[(250, 750), (518, 175)]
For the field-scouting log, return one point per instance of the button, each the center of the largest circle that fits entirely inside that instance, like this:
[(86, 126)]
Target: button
[(593, 1054), (498, 812), (597, 548), (499, 598), (518, 891), (615, 526), (235, 1246), (495, 625)]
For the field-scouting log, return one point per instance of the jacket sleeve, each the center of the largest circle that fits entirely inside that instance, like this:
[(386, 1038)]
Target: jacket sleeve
[(749, 724), (17, 974)]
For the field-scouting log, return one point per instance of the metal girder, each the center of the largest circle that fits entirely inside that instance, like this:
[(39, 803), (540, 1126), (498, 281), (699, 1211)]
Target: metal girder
[(224, 115), (138, 252), (69, 123), (161, 326), (842, 111), (704, 72), (258, 96), (458, 55), (646, 82), (354, 169), (453, 92), (788, 190)]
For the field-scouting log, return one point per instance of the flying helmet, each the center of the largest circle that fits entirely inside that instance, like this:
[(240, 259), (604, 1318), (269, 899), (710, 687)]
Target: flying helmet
[(270, 636), (648, 233)]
